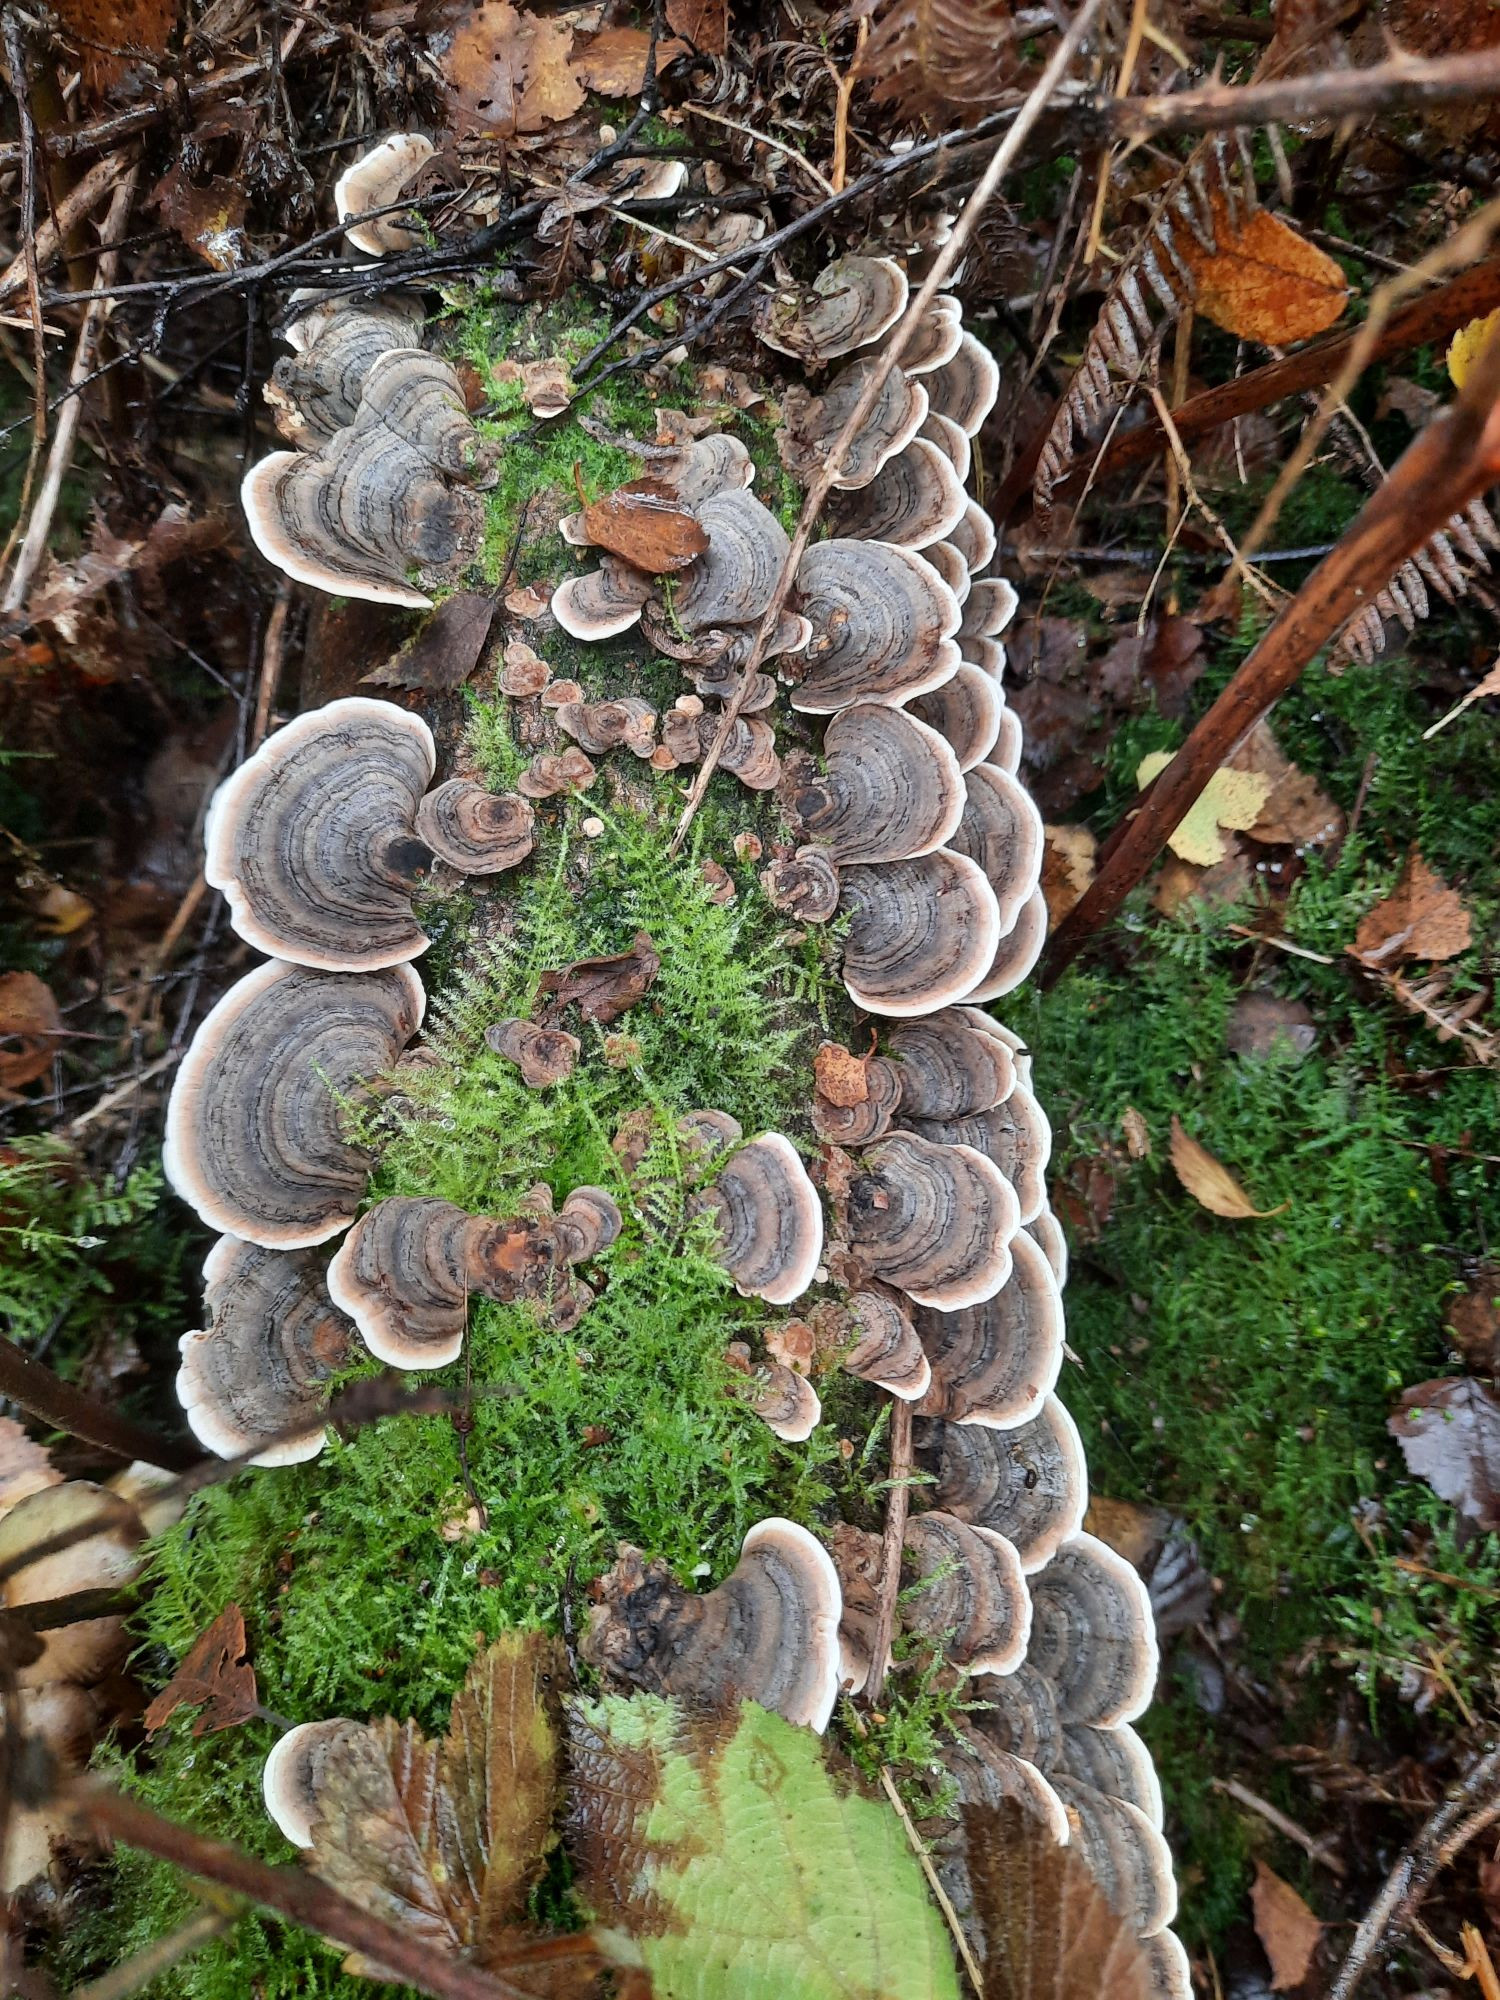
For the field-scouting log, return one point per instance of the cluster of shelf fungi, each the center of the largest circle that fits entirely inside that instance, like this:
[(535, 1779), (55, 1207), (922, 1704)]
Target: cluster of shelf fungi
[(939, 1267)]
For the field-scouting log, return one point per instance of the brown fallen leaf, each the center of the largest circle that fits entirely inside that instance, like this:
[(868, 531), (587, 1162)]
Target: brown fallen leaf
[(116, 37), (1421, 918), (209, 219), (1134, 1531), (841, 1076), (1067, 868), (643, 524), (1297, 811), (602, 989), (1180, 882), (508, 73), (31, 1029), (1261, 1024), (446, 650), (1287, 1929), (1137, 1133), (1266, 281), (613, 62), (214, 1677), (1473, 1322), (704, 23), (1209, 1182), (25, 1466), (1449, 1434)]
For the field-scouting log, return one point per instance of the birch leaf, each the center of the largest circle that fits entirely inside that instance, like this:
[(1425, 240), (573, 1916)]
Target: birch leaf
[(1230, 799), (1209, 1181)]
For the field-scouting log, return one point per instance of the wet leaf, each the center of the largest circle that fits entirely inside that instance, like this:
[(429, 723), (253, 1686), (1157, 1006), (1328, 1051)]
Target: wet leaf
[(1287, 1929), (840, 1075), (1230, 799), (214, 1677), (115, 36), (1465, 346), (1266, 282), (1209, 1182), (613, 62), (209, 219), (1046, 1930), (1449, 1434), (1421, 918), (31, 1029), (602, 989), (725, 1847), (508, 73), (1297, 811), (704, 23), (643, 524), (444, 1839), (1473, 1322), (446, 650)]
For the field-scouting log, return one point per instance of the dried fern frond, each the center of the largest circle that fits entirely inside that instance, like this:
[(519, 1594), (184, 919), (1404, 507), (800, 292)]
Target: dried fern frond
[(932, 57), (1405, 598), (1215, 189)]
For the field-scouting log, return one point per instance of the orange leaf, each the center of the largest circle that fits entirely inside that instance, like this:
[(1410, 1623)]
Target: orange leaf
[(1209, 1182), (840, 1076), (1287, 1929), (704, 23), (643, 523), (30, 1029), (215, 1676), (613, 62), (508, 73), (1266, 282), (1421, 918)]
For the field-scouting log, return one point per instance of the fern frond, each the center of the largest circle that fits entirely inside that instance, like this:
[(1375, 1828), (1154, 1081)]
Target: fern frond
[(1405, 599), (933, 57)]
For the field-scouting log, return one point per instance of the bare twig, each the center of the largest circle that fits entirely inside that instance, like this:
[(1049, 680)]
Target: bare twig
[(1316, 1850), (822, 484), (891, 1542), (1454, 460), (36, 1389), (272, 658), (78, 202)]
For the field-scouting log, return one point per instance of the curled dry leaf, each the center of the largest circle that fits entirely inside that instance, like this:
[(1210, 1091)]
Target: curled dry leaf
[(643, 524), (214, 1677), (1449, 1434), (1137, 1134), (508, 73), (1421, 918), (1266, 282), (1209, 1182), (31, 1029), (840, 1075), (1230, 799), (446, 650), (1287, 1929), (602, 989)]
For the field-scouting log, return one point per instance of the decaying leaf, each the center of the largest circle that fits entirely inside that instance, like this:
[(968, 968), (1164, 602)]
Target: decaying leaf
[(1137, 1133), (214, 1677), (1287, 1929), (508, 73), (210, 219), (1297, 811), (704, 23), (1067, 867), (613, 62), (1046, 1930), (643, 524), (1449, 1434), (725, 1847), (25, 1466), (444, 1839), (1180, 883), (446, 650), (1209, 1182), (840, 1075), (1421, 918), (1473, 1321), (1266, 281), (117, 36), (1465, 347), (602, 989), (928, 57), (1263, 1024), (31, 1029), (1230, 799)]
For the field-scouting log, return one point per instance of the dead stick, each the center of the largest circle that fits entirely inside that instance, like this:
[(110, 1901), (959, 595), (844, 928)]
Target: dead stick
[(891, 1544), (301, 1899), (74, 206), (1454, 460), (895, 347), (66, 1408), (154, 1959), (272, 658), (1465, 1813)]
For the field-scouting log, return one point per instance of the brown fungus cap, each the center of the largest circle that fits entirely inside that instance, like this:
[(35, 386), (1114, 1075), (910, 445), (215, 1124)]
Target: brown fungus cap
[(293, 1774), (1015, 1134), (261, 1364), (1017, 952), (733, 582), (1028, 1483), (937, 338), (705, 1136), (951, 567), (1019, 1713), (715, 463), (769, 1633), (601, 726), (887, 1352), (1047, 1233), (891, 788), (966, 712), (988, 609), (974, 538), (254, 1138), (1115, 1762), (602, 602), (544, 1056), (312, 840), (996, 1363), (786, 1402), (1009, 744), (547, 775), (316, 391), (882, 625), (971, 1596), (921, 933), (986, 1775), (857, 1558), (376, 180), (418, 399), (934, 1221), (403, 1275), (812, 425), (1124, 1853), (852, 301), (750, 752), (1093, 1635), (965, 388), (1001, 829), (804, 885), (915, 498), (953, 441), (949, 1067), (769, 1218), (870, 1119), (103, 1557), (475, 830), (588, 1222)]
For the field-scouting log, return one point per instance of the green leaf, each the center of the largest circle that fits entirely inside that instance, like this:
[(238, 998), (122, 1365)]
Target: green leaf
[(743, 1870)]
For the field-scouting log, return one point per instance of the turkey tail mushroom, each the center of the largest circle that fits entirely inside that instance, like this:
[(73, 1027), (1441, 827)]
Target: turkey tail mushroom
[(812, 425), (377, 180), (1093, 1636), (403, 1276), (914, 499), (934, 1221), (887, 1351), (769, 1220), (882, 626), (971, 1592), (967, 710), (921, 933), (996, 1363), (1029, 1483), (891, 791), (852, 302)]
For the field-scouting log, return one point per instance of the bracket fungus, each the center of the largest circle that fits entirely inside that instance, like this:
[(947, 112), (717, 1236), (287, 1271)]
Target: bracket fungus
[(315, 391), (996, 1363), (804, 885), (1016, 953), (1019, 1711), (975, 538), (1093, 1635), (786, 1402), (254, 1141), (868, 1119), (887, 1351), (319, 840), (882, 624), (953, 441), (891, 789), (1115, 1762), (965, 387), (921, 934), (1015, 1134), (602, 726), (258, 1368), (769, 1219), (1028, 1483), (544, 1056), (1124, 1852), (934, 1221), (1001, 829), (915, 498), (852, 301), (857, 1559), (293, 1773), (950, 1067), (377, 180), (603, 602), (769, 1633), (812, 425), (967, 710), (971, 1592), (951, 567)]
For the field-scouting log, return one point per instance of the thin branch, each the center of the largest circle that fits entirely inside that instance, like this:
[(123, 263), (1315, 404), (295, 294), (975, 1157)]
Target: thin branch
[(138, 1971), (63, 1407), (78, 202), (823, 481), (892, 1541), (1451, 463)]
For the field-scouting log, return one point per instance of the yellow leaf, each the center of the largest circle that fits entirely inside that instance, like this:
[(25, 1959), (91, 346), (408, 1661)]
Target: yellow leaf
[(1230, 799), (1463, 349), (1265, 282), (1210, 1183)]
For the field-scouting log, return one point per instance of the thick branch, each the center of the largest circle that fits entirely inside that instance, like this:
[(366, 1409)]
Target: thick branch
[(66, 1408), (1453, 461)]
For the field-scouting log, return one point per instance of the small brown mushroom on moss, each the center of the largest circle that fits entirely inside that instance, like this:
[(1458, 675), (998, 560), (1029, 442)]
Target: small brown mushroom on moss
[(769, 1220), (547, 775), (544, 1056), (602, 602), (887, 1351), (601, 726), (784, 1400), (476, 831)]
